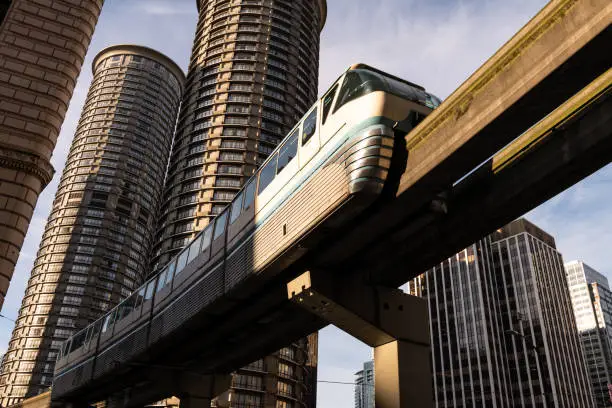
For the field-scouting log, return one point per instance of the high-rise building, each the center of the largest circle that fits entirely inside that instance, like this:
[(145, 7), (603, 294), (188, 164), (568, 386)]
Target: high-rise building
[(364, 386), (42, 47), (95, 248), (253, 74), (502, 329), (592, 303)]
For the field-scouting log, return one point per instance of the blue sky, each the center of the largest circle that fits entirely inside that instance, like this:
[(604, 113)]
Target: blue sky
[(436, 43)]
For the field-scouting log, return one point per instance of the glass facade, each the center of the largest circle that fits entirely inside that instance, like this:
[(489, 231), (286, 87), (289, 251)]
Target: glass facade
[(592, 304), (364, 386), (96, 243), (502, 330)]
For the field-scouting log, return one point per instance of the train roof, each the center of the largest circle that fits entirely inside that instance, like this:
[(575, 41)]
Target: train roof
[(378, 71)]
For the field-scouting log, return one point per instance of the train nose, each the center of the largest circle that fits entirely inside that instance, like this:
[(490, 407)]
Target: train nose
[(367, 162)]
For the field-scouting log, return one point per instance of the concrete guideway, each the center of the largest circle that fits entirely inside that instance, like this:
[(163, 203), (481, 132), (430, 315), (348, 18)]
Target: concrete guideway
[(558, 53)]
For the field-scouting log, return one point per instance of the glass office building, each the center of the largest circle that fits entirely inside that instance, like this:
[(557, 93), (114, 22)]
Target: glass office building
[(592, 304), (99, 234), (364, 386), (502, 329)]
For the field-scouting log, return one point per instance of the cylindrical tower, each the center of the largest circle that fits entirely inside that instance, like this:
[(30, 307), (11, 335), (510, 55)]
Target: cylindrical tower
[(42, 48), (253, 74), (97, 239)]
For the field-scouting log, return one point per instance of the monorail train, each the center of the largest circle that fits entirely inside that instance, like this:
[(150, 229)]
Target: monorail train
[(332, 164)]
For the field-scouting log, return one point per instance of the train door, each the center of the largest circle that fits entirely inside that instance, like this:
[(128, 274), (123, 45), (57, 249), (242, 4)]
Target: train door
[(330, 124), (309, 140)]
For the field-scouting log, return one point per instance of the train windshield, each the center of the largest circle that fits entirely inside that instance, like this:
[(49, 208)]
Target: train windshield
[(360, 82)]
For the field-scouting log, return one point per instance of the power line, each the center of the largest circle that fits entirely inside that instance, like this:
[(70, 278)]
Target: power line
[(342, 382), (7, 318)]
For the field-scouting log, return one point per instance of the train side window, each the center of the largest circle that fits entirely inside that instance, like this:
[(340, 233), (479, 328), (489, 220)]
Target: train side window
[(194, 250), (288, 151), (150, 290), (139, 297), (249, 194), (161, 280), (327, 103), (220, 224), (78, 341), (171, 272), (236, 208), (310, 126), (126, 307), (206, 236), (182, 259), (66, 347), (108, 321), (266, 175), (90, 330)]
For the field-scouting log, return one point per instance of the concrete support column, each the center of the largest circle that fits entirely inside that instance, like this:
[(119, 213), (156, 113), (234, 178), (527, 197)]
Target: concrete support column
[(402, 375), (394, 323)]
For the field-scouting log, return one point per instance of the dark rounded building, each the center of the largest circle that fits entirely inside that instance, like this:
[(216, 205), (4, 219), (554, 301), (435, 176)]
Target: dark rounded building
[(96, 243)]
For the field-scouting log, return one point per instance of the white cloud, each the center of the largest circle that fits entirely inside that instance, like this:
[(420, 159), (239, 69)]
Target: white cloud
[(164, 8)]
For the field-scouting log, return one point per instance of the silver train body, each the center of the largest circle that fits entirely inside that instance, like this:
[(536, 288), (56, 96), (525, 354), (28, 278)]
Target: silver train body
[(331, 166)]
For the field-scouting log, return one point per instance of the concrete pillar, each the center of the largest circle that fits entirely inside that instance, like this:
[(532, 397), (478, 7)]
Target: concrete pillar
[(402, 375), (394, 323)]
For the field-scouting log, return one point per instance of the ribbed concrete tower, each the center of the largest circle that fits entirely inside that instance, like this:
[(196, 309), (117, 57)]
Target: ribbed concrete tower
[(42, 47), (253, 74), (100, 231)]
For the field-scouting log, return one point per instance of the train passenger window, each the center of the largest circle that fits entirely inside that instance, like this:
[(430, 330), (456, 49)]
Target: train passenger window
[(182, 259), (236, 208), (95, 329), (310, 126), (249, 194), (139, 297), (287, 151), (194, 249), (266, 175), (171, 272), (220, 224), (206, 236), (327, 103), (109, 319), (66, 347), (78, 340), (150, 290), (161, 280), (126, 307)]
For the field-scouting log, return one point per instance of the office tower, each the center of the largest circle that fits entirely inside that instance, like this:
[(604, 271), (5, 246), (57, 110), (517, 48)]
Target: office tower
[(253, 74), (42, 47), (364, 386), (95, 248), (592, 303), (502, 330)]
